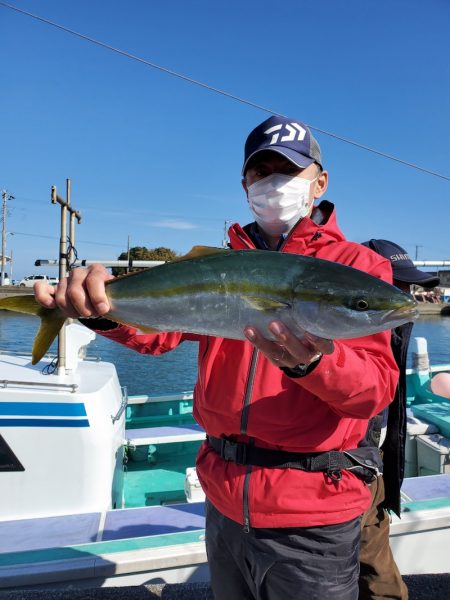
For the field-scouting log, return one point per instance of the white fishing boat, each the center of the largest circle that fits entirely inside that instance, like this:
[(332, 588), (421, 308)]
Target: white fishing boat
[(100, 490), (72, 510)]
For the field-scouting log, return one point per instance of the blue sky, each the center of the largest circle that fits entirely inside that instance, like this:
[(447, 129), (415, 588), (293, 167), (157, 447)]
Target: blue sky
[(158, 159)]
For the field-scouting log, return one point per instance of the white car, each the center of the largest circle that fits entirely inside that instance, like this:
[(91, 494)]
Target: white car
[(32, 279)]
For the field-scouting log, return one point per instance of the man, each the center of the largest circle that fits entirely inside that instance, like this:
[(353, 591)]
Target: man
[(379, 576), (283, 509)]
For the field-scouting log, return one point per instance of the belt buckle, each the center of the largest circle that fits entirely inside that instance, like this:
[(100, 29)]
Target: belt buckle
[(241, 454), (228, 450)]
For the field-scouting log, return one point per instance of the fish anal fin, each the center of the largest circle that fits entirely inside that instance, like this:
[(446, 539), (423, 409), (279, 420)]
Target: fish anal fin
[(265, 304), (139, 326), (146, 329)]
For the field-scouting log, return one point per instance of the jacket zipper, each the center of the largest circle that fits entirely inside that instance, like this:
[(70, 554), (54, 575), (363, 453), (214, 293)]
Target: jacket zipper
[(246, 407), (248, 391), (201, 363), (244, 424), (245, 502)]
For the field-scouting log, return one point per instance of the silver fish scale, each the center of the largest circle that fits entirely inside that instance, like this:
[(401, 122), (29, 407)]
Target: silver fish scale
[(222, 315)]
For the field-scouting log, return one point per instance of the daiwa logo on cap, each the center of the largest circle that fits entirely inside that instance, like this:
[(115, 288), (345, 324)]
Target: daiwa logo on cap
[(290, 138), (295, 131)]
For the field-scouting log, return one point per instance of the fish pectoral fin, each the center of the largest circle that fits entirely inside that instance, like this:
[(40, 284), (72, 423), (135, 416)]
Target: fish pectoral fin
[(199, 251), (51, 324), (265, 303)]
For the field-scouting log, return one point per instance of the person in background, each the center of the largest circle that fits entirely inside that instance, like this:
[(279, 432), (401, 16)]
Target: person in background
[(379, 575), (283, 504), (440, 384)]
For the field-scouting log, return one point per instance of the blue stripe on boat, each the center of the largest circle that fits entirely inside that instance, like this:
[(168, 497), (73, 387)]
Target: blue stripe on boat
[(49, 409), (44, 423)]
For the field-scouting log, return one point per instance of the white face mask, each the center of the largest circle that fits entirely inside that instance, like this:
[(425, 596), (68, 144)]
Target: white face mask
[(279, 201)]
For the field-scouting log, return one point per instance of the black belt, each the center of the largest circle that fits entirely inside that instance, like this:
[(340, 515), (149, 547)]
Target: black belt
[(364, 465)]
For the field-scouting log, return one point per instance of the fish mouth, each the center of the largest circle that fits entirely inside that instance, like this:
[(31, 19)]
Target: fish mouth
[(404, 314)]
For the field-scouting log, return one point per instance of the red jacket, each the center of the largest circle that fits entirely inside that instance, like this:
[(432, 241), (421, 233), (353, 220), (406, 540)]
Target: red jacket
[(240, 393)]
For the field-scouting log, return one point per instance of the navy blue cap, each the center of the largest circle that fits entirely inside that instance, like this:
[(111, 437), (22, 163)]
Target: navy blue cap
[(288, 137), (403, 268)]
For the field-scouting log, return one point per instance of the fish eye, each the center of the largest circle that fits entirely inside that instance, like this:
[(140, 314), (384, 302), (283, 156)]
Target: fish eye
[(360, 304)]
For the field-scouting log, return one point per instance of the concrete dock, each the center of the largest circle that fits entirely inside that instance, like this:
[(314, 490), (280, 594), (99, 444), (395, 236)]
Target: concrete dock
[(421, 587), (14, 290)]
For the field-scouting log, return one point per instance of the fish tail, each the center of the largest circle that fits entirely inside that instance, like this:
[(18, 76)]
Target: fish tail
[(52, 319)]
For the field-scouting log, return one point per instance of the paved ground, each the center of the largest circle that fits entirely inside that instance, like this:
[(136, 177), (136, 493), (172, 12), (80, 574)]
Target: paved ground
[(14, 290), (425, 587)]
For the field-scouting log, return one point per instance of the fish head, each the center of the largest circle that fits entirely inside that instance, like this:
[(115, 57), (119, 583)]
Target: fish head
[(349, 304)]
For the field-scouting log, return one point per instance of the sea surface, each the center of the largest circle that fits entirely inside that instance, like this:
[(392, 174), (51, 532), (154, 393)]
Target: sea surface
[(176, 371)]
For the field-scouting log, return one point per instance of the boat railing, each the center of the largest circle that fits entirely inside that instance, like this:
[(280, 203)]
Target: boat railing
[(49, 355), (146, 399), (5, 383), (123, 405)]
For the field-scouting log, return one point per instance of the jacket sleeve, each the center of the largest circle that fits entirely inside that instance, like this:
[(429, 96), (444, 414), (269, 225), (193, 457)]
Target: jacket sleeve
[(146, 343), (360, 377)]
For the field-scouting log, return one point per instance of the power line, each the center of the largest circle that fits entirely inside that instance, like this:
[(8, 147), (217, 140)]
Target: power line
[(53, 237), (217, 90)]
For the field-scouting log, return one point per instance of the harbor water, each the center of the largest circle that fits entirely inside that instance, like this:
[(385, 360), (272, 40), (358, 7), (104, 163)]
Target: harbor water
[(176, 371)]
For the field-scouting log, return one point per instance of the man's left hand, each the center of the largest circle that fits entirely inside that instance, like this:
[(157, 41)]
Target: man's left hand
[(288, 350)]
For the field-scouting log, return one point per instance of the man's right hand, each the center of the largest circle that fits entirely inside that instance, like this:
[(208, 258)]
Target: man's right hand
[(81, 294)]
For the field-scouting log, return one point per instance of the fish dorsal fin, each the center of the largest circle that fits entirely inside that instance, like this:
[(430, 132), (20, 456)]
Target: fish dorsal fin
[(194, 252), (199, 252), (265, 303)]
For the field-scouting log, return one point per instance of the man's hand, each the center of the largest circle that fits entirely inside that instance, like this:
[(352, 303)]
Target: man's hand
[(288, 350), (81, 294)]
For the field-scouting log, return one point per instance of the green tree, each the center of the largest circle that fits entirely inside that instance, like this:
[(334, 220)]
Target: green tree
[(143, 253)]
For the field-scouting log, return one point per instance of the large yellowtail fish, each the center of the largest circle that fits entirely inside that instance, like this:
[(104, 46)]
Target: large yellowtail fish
[(218, 292)]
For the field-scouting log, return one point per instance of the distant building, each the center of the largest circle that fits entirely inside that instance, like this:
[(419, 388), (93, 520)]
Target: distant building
[(444, 285)]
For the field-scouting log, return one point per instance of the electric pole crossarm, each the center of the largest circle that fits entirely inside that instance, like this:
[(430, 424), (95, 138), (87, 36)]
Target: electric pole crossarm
[(57, 199)]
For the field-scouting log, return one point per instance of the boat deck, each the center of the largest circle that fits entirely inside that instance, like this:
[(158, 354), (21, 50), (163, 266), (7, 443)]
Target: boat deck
[(95, 545), (155, 539)]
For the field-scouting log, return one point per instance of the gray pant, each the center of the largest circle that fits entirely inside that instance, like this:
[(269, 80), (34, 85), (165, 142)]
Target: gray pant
[(282, 564)]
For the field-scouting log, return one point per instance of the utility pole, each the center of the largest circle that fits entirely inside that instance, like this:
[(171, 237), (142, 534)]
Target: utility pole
[(225, 233), (63, 256), (417, 250), (73, 215), (5, 198), (128, 255)]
